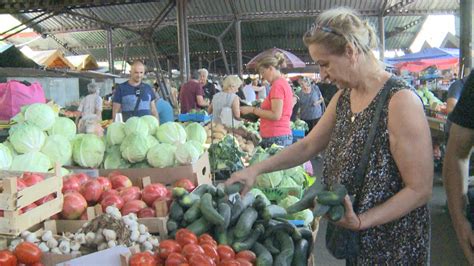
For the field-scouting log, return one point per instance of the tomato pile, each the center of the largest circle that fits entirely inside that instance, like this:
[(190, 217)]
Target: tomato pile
[(188, 249), (24, 253)]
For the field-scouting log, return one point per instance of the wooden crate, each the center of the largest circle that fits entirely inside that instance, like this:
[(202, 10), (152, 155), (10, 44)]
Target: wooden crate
[(11, 201)]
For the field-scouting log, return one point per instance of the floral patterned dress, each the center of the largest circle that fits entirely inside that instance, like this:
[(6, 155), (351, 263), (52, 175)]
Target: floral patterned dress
[(404, 241)]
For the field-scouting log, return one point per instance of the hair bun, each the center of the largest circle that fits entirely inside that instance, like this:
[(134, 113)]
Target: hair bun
[(280, 57)]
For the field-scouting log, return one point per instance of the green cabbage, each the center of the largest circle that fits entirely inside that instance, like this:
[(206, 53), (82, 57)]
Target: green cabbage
[(304, 215), (196, 132), (88, 150), (6, 157), (40, 115), (143, 164), (152, 123), (287, 182), (58, 149), (297, 174), (134, 147), (115, 133), (34, 161), (172, 133), (288, 201), (161, 155), (63, 126), (113, 158), (27, 138), (63, 171), (197, 145), (10, 147), (270, 180), (152, 141), (186, 153), (136, 125)]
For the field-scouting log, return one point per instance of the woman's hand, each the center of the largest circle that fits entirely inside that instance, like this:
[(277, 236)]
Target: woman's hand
[(245, 176), (350, 220), (246, 110)]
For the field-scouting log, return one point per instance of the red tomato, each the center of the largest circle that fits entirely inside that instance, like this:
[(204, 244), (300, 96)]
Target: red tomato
[(225, 252), (30, 179), (209, 242), (229, 263), (28, 253), (185, 236), (206, 238), (7, 258), (200, 260), (191, 249), (36, 264), (211, 252), (185, 183), (175, 259), (142, 259), (167, 247), (246, 255), (244, 262)]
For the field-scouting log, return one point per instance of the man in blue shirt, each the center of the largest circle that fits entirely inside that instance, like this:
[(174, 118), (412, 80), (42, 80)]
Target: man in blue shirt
[(134, 98)]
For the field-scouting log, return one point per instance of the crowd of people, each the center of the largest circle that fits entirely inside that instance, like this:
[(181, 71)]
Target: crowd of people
[(391, 213)]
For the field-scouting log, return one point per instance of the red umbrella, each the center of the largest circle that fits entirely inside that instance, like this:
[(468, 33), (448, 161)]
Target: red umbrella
[(291, 60)]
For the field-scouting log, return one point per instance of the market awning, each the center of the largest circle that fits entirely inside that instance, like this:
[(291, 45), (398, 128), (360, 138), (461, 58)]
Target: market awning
[(10, 56), (83, 62), (441, 58), (49, 58)]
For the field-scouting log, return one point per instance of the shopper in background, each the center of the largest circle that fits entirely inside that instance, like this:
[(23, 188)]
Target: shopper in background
[(208, 87), (225, 105), (133, 97), (310, 103), (248, 90), (191, 95), (90, 107), (392, 216), (454, 93), (110, 96), (456, 167), (163, 107), (259, 89), (275, 111)]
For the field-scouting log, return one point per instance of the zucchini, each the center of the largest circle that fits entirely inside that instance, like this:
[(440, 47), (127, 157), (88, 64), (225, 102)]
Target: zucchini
[(245, 223), (201, 189), (187, 200), (329, 198), (268, 243), (250, 240), (193, 213), (208, 210), (200, 226), (236, 210), (336, 212), (300, 258), (176, 211), (264, 257), (287, 250), (171, 225), (233, 188), (179, 192), (273, 211), (308, 197)]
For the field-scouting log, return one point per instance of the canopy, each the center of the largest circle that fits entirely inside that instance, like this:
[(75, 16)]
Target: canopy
[(10, 56), (49, 58), (83, 62), (291, 60), (441, 58)]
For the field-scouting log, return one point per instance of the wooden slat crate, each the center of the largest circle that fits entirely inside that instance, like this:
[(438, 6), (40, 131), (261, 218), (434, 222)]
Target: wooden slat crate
[(12, 201)]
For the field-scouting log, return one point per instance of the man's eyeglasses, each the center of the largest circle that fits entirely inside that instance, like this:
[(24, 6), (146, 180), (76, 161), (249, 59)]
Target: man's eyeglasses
[(315, 27)]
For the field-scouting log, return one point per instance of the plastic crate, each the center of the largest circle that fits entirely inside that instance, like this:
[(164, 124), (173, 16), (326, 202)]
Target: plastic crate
[(194, 117), (298, 133)]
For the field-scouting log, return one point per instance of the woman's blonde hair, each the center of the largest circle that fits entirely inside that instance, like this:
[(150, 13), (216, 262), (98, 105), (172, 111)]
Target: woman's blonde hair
[(277, 61), (337, 27), (231, 81)]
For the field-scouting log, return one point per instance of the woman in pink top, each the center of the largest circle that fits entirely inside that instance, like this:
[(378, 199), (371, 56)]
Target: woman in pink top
[(275, 111)]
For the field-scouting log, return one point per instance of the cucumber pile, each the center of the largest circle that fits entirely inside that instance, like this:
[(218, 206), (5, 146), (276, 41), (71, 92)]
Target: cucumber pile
[(325, 201), (245, 223)]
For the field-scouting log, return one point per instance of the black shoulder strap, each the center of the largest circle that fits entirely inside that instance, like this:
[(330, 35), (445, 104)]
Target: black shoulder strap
[(139, 98), (361, 170)]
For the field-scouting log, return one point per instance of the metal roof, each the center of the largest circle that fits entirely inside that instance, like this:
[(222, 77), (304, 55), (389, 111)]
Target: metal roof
[(265, 24)]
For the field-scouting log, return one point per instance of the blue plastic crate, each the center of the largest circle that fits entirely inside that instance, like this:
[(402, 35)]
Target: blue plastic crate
[(184, 117), (194, 117), (298, 133)]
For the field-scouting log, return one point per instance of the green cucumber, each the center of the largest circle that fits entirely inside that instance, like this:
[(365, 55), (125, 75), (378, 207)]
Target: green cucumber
[(300, 258), (225, 211), (287, 250), (236, 210), (285, 227), (245, 223), (248, 200), (273, 211), (250, 240), (179, 192), (233, 188), (176, 211), (259, 203), (264, 257), (193, 213), (320, 210), (268, 243), (188, 200), (209, 212), (329, 198), (336, 212), (220, 193), (308, 197), (200, 226), (201, 189), (171, 225), (340, 190)]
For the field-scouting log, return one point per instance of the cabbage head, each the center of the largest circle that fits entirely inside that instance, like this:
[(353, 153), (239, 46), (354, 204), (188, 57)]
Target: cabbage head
[(27, 138), (136, 125), (186, 153), (152, 123), (270, 180), (63, 171), (63, 126), (172, 133), (113, 158), (6, 157), (143, 164), (115, 133), (134, 147), (297, 174), (288, 201), (304, 215), (40, 115), (34, 161), (287, 182), (161, 155), (58, 149), (9, 145), (88, 150), (152, 141), (257, 192), (197, 145), (196, 132)]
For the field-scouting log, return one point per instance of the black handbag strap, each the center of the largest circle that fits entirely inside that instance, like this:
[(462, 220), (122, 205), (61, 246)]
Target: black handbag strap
[(138, 93), (364, 161)]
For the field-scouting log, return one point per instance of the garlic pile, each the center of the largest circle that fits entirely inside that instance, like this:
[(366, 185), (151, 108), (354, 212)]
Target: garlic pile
[(95, 235)]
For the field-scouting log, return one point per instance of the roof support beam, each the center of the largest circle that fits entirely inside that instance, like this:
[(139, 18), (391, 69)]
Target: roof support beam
[(102, 23), (398, 7), (403, 28)]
